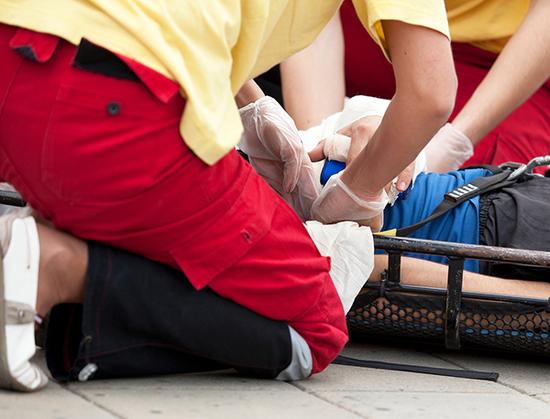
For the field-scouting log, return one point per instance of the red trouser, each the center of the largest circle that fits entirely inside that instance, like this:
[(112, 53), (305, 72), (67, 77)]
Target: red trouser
[(524, 134), (103, 159)]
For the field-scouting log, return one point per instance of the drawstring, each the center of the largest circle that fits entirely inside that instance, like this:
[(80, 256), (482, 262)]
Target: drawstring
[(90, 368)]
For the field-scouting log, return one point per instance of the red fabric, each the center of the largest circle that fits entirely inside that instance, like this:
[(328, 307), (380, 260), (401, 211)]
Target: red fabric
[(43, 46), (368, 72), (103, 159), (523, 135), (520, 137)]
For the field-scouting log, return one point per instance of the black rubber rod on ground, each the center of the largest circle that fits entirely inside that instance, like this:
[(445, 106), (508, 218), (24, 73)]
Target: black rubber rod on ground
[(447, 372)]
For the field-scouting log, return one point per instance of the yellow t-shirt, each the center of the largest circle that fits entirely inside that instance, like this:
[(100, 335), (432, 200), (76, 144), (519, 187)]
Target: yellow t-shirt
[(487, 24), (209, 47)]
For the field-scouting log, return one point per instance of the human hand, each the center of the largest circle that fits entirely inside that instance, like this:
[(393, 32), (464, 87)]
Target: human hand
[(405, 178), (360, 132), (337, 147), (337, 202), (274, 148), (447, 150)]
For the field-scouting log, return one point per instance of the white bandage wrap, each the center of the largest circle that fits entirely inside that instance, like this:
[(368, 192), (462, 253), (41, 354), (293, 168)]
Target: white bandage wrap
[(336, 147), (351, 250), (358, 107)]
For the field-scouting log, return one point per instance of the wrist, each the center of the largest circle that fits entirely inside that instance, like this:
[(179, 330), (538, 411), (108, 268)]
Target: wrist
[(467, 130), (358, 189), (249, 93)]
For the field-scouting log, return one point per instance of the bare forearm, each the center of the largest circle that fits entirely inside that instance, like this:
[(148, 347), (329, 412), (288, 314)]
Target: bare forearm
[(425, 93), (250, 92), (313, 79), (522, 67), (403, 133)]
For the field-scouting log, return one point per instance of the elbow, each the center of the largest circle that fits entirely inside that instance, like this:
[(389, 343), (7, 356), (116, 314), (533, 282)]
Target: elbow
[(434, 97), (439, 98), (443, 99)]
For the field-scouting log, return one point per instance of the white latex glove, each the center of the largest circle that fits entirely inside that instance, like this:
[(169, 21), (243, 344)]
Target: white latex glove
[(351, 250), (275, 150), (337, 202), (447, 150)]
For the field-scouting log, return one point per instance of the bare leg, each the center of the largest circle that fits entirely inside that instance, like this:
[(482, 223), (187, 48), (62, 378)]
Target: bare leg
[(434, 275), (62, 269), (428, 274)]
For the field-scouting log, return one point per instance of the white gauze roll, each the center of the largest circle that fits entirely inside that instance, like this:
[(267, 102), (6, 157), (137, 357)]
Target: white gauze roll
[(359, 107)]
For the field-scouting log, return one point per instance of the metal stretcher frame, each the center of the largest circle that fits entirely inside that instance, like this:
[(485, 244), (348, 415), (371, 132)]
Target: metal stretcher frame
[(453, 296)]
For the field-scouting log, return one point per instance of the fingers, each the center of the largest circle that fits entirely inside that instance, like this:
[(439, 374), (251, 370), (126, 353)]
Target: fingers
[(405, 177), (360, 136), (317, 154), (360, 131)]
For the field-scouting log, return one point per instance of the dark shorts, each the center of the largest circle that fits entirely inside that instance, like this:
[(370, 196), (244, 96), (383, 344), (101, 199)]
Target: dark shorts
[(142, 318), (516, 217)]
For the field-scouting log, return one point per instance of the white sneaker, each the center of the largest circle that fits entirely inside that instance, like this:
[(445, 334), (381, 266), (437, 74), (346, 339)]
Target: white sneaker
[(18, 289)]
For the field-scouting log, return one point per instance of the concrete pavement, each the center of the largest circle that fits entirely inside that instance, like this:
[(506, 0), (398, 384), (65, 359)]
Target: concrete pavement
[(523, 391)]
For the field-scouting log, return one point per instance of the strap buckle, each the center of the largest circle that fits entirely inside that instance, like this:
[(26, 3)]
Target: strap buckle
[(526, 169)]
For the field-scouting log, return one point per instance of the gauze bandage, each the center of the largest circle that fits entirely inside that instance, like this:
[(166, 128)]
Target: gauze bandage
[(351, 250), (358, 107), (355, 108), (336, 147)]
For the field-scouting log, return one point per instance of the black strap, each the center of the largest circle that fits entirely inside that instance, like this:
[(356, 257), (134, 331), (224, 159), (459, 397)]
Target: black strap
[(11, 198), (447, 372), (462, 194)]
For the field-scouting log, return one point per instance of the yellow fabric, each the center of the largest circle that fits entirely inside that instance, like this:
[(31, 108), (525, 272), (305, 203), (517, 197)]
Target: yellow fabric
[(209, 47), (427, 13), (487, 24), (389, 233)]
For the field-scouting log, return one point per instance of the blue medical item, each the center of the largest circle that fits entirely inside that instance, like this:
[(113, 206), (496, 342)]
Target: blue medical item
[(331, 167)]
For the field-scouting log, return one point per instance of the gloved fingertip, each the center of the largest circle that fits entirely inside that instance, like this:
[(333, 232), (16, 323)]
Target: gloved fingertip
[(289, 184), (402, 186)]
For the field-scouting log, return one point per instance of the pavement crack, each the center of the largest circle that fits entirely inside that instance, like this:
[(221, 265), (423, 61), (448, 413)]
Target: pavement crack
[(318, 396), (499, 382), (89, 400)]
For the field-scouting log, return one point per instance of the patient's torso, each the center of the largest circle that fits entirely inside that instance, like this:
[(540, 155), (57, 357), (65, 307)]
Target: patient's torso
[(458, 225)]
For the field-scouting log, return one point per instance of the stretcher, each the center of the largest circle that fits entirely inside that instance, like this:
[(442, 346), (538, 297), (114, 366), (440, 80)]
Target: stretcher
[(451, 318), (390, 310)]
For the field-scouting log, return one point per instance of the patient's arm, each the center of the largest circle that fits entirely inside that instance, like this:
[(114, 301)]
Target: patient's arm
[(434, 275)]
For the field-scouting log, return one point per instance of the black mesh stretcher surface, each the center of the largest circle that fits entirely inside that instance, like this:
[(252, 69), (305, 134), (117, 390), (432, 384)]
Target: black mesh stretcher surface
[(391, 311)]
